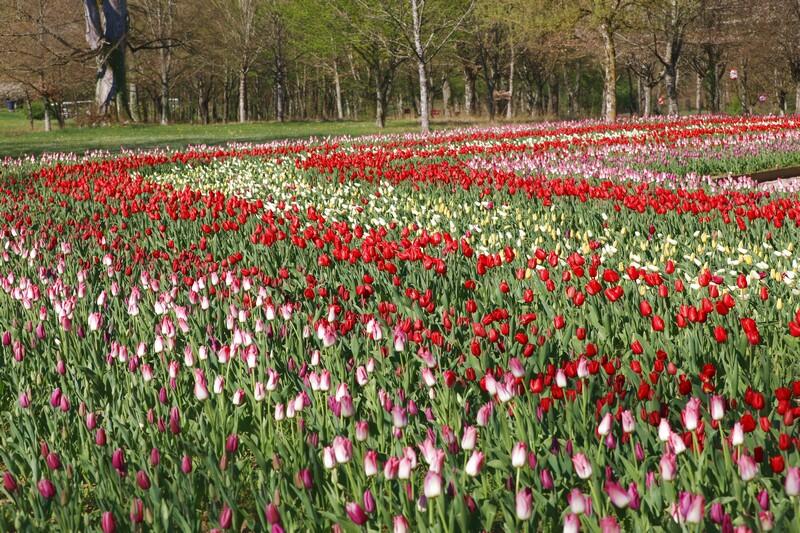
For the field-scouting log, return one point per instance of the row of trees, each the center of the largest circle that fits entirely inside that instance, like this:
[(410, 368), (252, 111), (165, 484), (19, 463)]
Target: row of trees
[(225, 60)]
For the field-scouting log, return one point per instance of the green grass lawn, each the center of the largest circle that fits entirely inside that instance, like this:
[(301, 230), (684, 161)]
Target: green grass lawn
[(17, 138)]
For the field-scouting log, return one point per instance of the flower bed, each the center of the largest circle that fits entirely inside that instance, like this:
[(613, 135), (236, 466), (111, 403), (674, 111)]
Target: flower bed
[(547, 327)]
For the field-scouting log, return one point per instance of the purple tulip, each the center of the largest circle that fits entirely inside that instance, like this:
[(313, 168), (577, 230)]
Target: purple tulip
[(717, 513), (155, 457), (100, 437), (46, 488), (272, 514), (369, 502), (118, 460), (137, 511), (225, 517), (186, 464), (763, 499), (142, 480), (633, 494), (232, 443), (306, 478), (356, 513), (24, 400), (547, 479), (175, 420), (9, 482), (55, 397), (107, 522), (53, 461), (609, 524)]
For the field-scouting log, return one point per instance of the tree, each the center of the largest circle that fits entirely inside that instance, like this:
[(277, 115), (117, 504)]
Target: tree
[(607, 18), (425, 26), (160, 17), (109, 40), (668, 21), (238, 25), (40, 50)]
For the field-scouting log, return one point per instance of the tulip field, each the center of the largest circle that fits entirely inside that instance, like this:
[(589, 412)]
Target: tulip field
[(552, 327)]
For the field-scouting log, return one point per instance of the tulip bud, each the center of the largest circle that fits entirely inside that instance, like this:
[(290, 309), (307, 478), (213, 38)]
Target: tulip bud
[(432, 485), (155, 457), (792, 483), (142, 480), (272, 515), (118, 459), (232, 443), (356, 513), (370, 463), (582, 466), (400, 525), (747, 467), (369, 502), (137, 511), (24, 400), (9, 482), (100, 437), (518, 455), (474, 464), (524, 504), (717, 407), (46, 488), (107, 523), (362, 430), (225, 517), (186, 464), (53, 462)]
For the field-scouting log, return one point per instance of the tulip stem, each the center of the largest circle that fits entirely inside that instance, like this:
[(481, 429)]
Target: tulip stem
[(441, 515)]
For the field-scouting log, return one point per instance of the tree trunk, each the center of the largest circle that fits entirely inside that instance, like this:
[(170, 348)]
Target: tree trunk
[(698, 94), (280, 87), (446, 97), (164, 85), (509, 108), (133, 91), (423, 76), (47, 125), (797, 97), (648, 100), (109, 44), (631, 97), (243, 95), (29, 105), (609, 75), (470, 78), (338, 88), (553, 103), (380, 106), (640, 94), (671, 85)]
